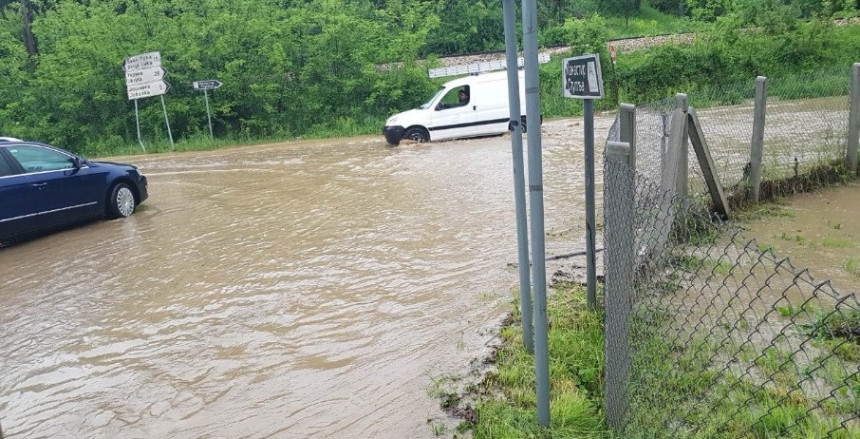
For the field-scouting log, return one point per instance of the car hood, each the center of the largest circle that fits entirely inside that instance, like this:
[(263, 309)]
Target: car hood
[(407, 117)]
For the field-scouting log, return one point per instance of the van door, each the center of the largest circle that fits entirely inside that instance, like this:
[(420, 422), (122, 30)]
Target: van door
[(453, 116)]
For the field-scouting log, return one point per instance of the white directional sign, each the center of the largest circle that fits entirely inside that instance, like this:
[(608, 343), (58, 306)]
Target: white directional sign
[(207, 85), (144, 76), (135, 77), (148, 89), (142, 61)]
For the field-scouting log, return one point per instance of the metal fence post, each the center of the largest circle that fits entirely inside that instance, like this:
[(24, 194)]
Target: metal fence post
[(854, 119), (758, 137), (619, 208)]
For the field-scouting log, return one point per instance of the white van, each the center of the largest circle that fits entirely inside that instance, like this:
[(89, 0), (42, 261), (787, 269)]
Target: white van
[(484, 111)]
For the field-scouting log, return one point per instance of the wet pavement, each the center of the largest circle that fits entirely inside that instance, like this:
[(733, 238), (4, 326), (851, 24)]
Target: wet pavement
[(310, 289)]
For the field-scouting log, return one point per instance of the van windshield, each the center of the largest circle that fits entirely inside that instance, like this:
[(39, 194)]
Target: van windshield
[(427, 104)]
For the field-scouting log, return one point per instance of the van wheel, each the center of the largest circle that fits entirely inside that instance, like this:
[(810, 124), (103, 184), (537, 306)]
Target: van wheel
[(417, 134)]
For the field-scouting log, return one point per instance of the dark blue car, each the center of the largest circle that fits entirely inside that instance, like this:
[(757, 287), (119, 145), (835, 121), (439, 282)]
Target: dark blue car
[(43, 187)]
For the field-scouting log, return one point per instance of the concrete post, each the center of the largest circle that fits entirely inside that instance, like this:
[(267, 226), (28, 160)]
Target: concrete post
[(758, 137), (854, 119), (619, 210), (683, 170), (675, 160), (628, 130)]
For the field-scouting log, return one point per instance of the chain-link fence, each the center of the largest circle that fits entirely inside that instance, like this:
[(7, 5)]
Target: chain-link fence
[(803, 138), (708, 335)]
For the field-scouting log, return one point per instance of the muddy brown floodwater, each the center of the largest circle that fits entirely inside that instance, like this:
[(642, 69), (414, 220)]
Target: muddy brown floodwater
[(309, 289), (818, 231)]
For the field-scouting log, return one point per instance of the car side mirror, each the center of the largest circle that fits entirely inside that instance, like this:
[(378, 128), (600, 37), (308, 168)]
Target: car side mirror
[(76, 162)]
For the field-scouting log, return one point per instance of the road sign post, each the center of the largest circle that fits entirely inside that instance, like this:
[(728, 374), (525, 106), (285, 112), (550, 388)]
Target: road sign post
[(207, 85), (144, 77), (582, 79), (614, 57)]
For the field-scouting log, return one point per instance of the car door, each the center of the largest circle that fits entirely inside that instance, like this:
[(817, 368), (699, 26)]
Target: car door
[(63, 192), (17, 201), (452, 119)]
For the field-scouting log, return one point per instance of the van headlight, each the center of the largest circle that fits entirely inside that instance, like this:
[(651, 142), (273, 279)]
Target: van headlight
[(391, 121)]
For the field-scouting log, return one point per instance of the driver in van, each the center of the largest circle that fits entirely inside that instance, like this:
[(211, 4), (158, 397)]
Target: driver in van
[(464, 97)]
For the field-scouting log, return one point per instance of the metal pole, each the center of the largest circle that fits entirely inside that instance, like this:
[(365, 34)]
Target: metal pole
[(206, 96), (137, 123), (591, 270), (530, 56), (758, 137), (854, 119), (519, 174), (167, 122)]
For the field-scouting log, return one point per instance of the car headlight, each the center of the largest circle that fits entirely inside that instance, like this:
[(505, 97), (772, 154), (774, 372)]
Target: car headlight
[(391, 121)]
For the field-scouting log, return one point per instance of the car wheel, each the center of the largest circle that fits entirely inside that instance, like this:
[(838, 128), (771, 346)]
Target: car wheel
[(419, 135), (120, 202), (525, 126)]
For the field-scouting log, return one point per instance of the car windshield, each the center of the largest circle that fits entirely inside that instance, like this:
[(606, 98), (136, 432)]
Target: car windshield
[(427, 104)]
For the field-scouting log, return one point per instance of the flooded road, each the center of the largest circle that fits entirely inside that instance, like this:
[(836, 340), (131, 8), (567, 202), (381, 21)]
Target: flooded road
[(309, 289)]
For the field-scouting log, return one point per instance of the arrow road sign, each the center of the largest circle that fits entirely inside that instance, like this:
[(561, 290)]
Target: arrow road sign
[(148, 89), (210, 84), (142, 61), (143, 76)]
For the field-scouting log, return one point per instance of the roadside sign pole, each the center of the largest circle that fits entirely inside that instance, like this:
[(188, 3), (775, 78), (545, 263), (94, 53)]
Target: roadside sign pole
[(591, 269), (144, 77), (530, 56), (137, 124), (613, 56), (209, 84), (519, 174), (167, 122), (208, 115), (582, 79)]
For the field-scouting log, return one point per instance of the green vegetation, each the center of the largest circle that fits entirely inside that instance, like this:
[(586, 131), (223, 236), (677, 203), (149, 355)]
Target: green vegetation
[(576, 371), (314, 68), (852, 265), (759, 398)]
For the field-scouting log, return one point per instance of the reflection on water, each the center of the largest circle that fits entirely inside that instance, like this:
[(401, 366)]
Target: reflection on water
[(308, 289)]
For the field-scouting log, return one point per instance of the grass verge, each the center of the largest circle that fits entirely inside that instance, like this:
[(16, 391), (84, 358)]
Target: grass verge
[(504, 405), (680, 388)]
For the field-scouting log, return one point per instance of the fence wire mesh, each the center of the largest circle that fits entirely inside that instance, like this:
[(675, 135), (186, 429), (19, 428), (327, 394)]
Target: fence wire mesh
[(725, 338), (801, 134)]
